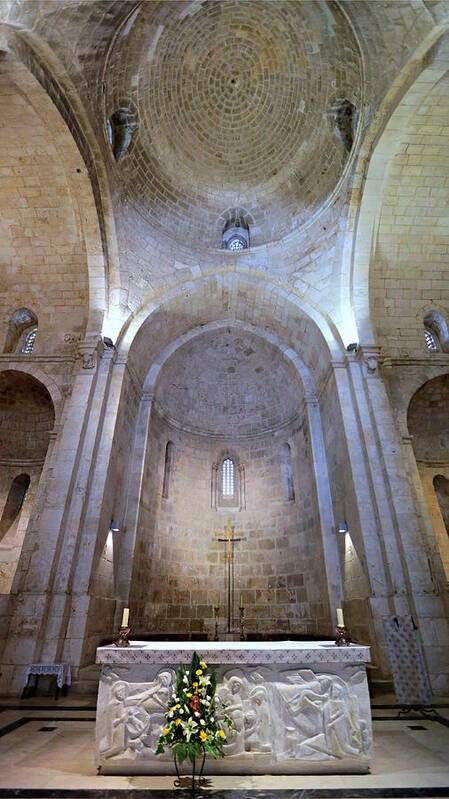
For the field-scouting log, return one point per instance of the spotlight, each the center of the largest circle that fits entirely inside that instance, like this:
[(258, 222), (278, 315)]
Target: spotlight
[(108, 342), (342, 527), (352, 347), (114, 528)]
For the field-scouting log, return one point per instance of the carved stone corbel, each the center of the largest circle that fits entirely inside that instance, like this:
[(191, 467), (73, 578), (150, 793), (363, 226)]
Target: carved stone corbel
[(89, 351)]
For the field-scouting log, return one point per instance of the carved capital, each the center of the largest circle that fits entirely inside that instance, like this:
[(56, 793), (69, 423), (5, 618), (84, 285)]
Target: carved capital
[(89, 351)]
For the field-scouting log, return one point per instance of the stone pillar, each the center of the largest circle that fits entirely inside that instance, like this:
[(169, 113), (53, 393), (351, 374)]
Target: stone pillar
[(396, 557), (53, 527), (325, 508), (127, 548), (84, 616)]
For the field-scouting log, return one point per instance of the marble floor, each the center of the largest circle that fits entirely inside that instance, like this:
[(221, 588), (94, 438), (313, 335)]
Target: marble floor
[(47, 750)]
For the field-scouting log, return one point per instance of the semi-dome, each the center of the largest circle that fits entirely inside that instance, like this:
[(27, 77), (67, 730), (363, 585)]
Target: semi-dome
[(237, 107), (228, 382)]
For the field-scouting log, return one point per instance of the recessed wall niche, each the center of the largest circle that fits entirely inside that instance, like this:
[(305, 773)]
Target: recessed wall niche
[(227, 400)]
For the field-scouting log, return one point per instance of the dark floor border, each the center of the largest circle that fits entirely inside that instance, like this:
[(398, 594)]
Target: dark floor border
[(302, 793), (422, 718), (54, 707), (26, 719)]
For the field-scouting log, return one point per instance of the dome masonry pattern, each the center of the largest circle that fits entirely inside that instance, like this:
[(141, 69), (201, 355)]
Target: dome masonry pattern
[(234, 108), (228, 382)]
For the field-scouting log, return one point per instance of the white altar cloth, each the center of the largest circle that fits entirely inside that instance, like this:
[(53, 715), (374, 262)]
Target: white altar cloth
[(298, 707)]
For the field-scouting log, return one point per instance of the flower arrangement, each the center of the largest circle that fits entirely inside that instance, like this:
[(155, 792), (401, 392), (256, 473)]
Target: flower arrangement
[(194, 715)]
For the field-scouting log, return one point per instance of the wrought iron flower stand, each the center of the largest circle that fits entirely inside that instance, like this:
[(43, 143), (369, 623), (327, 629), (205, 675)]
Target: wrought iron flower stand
[(201, 779)]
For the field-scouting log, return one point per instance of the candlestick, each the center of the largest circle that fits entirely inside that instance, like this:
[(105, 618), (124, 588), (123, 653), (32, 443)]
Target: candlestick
[(125, 617), (242, 623), (340, 620), (216, 612)]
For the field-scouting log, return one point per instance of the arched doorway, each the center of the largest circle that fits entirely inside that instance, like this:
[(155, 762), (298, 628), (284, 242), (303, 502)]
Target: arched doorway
[(428, 425), (28, 416)]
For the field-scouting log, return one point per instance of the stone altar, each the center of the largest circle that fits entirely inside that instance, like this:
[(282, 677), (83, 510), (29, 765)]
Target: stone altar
[(298, 707)]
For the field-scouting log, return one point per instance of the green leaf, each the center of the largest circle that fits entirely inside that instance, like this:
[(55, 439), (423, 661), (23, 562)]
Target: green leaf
[(180, 679), (180, 750), (213, 684), (195, 664)]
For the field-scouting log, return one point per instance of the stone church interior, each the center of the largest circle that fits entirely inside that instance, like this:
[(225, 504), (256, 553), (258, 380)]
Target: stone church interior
[(224, 392)]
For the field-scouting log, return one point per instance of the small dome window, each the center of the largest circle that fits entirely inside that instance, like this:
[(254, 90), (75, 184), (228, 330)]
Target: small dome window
[(29, 339), (235, 235), (430, 340), (22, 326)]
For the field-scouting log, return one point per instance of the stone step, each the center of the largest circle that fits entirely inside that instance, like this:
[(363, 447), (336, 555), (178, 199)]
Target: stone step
[(88, 679)]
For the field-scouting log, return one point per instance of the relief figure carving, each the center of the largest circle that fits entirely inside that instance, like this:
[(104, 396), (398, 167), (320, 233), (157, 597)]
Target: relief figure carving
[(136, 715)]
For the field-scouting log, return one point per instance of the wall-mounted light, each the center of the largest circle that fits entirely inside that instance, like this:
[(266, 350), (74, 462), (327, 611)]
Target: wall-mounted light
[(342, 527), (108, 342), (114, 527), (352, 347)]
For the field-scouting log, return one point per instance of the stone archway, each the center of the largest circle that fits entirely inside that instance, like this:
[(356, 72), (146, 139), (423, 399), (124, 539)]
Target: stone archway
[(28, 418), (427, 417)]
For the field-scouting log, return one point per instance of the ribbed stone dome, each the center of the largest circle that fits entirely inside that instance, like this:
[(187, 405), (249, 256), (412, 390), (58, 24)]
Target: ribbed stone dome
[(234, 103), (228, 382)]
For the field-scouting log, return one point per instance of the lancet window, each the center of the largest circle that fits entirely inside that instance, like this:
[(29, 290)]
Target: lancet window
[(227, 478), (167, 469), (287, 473), (228, 489), (14, 503)]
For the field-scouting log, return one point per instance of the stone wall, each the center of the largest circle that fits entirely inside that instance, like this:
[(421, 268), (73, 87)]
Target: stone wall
[(43, 261), (279, 567)]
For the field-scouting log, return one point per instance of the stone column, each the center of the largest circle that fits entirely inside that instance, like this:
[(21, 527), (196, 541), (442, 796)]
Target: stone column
[(325, 508), (77, 581), (127, 548), (63, 483), (396, 557)]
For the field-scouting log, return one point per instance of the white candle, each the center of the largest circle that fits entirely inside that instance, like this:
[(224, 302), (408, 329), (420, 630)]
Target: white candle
[(240, 601), (340, 621), (125, 617)]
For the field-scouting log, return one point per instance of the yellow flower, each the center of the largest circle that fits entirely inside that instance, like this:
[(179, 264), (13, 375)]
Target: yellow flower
[(203, 736), (198, 672), (195, 684), (189, 695), (166, 731), (178, 705), (177, 721), (203, 664), (221, 734)]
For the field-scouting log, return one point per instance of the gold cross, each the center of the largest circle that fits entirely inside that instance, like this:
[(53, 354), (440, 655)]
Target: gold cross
[(230, 537)]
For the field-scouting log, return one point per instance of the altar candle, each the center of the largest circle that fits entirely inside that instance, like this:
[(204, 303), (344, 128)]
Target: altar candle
[(240, 601), (340, 621), (125, 617)]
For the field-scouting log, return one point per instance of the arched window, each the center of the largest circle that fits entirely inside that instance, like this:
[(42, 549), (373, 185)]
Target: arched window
[(436, 332), (28, 341), (227, 478), (167, 468), (228, 485), (287, 473), (14, 503), (22, 325), (431, 343), (441, 486)]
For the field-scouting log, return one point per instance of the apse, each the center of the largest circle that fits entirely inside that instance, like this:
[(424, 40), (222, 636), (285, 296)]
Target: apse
[(229, 443)]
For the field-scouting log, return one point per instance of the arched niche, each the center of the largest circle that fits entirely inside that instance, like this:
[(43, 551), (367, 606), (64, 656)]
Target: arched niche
[(231, 392), (27, 410), (427, 420), (22, 322)]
